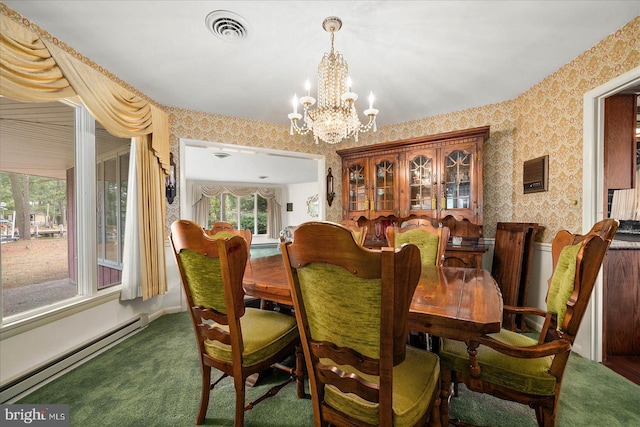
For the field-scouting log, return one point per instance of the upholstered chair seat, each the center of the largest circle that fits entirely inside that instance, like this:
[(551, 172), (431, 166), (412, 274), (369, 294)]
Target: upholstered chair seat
[(264, 333), (415, 382)]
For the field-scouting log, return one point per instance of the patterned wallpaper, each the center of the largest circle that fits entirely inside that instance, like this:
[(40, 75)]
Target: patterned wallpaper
[(546, 119)]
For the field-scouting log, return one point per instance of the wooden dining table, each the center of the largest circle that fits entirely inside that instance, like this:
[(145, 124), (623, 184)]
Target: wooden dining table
[(450, 302)]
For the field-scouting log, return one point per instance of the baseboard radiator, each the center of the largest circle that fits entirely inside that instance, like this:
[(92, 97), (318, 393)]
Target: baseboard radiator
[(22, 386)]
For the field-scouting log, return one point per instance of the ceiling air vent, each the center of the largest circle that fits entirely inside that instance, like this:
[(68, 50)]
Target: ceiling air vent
[(228, 26)]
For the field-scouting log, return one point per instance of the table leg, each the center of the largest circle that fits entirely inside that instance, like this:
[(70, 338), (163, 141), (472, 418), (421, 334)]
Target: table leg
[(475, 383)]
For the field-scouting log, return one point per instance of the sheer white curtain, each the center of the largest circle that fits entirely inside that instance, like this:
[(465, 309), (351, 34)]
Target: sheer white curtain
[(203, 193), (131, 284)]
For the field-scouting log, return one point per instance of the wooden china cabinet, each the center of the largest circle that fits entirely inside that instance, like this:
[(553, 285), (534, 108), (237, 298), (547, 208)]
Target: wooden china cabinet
[(437, 177)]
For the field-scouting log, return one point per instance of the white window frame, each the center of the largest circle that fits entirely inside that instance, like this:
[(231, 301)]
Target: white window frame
[(111, 155)]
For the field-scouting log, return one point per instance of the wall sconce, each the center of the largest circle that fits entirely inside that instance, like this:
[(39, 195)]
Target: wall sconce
[(170, 183), (330, 193)]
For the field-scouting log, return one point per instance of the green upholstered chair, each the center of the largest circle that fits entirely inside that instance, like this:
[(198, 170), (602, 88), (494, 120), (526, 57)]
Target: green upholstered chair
[(223, 230), (359, 233), (234, 339), (518, 368), (352, 306), (432, 241)]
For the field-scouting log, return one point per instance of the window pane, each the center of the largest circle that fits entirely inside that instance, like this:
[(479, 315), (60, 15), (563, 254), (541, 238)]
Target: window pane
[(262, 215), (37, 158), (100, 209), (113, 168), (215, 212), (124, 181), (111, 210), (230, 209), (247, 213)]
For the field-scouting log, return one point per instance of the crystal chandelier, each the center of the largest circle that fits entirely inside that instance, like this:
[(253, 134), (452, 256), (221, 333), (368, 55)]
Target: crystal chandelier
[(335, 118)]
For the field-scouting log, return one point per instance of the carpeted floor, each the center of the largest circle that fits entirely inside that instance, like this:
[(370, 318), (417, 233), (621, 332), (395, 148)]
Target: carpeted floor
[(153, 379)]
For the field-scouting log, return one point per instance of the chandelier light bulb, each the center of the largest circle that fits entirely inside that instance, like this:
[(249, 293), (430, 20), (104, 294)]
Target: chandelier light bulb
[(349, 84), (371, 99), (307, 87), (295, 104)]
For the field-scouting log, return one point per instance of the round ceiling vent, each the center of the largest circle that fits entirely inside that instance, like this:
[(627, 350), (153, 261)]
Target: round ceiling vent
[(228, 26)]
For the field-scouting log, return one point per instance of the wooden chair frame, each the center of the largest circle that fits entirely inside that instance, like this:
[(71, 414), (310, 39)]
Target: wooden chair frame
[(353, 226), (553, 341), (330, 243), (233, 256)]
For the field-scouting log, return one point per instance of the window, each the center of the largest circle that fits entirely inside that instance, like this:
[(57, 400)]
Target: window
[(112, 174), (52, 155), (247, 211)]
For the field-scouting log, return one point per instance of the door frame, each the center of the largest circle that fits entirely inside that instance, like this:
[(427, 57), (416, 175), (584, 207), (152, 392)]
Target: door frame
[(593, 182)]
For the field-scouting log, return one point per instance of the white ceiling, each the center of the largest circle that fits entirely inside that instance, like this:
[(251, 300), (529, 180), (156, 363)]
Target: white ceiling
[(420, 58)]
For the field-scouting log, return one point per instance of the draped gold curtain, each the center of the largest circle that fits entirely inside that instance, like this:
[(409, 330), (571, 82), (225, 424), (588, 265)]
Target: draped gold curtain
[(33, 69)]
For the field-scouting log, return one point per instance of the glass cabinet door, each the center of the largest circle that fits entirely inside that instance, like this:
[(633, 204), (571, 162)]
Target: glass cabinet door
[(457, 180), (422, 181), (384, 182), (356, 184)]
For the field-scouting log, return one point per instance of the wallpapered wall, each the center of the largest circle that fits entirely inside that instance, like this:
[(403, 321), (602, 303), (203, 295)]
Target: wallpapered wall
[(546, 119)]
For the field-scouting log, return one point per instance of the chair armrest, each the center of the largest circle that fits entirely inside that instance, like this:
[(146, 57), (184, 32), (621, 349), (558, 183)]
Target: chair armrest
[(524, 310), (535, 351)]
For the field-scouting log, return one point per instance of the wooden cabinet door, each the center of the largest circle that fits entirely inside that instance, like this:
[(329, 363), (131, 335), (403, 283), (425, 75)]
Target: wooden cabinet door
[(420, 185), (384, 184), (619, 141), (458, 175), (355, 188)]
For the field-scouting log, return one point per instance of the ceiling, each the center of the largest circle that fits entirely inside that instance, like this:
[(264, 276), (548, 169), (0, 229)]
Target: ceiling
[(420, 58)]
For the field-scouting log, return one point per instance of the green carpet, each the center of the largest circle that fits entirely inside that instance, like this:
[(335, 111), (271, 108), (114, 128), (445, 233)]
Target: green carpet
[(153, 379)]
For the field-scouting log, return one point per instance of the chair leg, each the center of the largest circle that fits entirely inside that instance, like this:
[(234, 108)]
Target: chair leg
[(445, 395), (300, 371), (239, 384), (204, 394), (546, 416)]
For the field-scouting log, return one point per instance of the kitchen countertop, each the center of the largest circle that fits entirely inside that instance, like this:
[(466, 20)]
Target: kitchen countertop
[(624, 244)]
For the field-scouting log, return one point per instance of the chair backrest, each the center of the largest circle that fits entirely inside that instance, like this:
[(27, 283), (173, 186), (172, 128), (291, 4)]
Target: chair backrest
[(211, 271), (221, 230), (432, 241), (576, 262), (359, 233), (512, 252), (351, 304)]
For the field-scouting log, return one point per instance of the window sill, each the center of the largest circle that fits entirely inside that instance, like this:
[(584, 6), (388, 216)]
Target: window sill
[(23, 322)]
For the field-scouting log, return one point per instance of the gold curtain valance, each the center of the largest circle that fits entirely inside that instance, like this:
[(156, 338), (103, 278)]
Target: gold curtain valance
[(34, 69)]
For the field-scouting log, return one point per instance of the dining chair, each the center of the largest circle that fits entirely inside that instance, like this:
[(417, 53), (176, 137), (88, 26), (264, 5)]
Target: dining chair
[(223, 229), (238, 341), (359, 233), (352, 307), (432, 241), (512, 252), (521, 369)]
